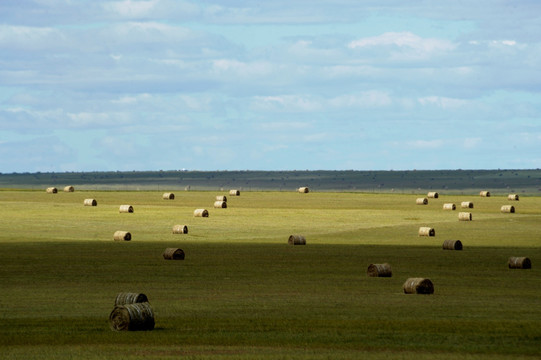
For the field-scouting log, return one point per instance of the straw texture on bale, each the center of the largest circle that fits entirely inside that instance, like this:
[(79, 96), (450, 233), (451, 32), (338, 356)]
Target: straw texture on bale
[(122, 236), (485, 193), (464, 216), (296, 240), (513, 197), (132, 317), (125, 209), (130, 298), (234, 192), (90, 202), (449, 206), (173, 254), (201, 213), (220, 204), (69, 189), (304, 190), (507, 209), (379, 270), (452, 245), (52, 190), (418, 286), (421, 201), (168, 196), (519, 263), (466, 205), (221, 198), (427, 231), (180, 229), (433, 195)]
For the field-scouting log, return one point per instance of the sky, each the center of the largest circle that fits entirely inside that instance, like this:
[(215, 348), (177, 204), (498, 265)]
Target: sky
[(103, 85)]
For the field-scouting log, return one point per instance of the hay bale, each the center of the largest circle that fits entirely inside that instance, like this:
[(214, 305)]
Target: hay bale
[(379, 270), (90, 202), (304, 190), (121, 235), (221, 198), (433, 195), (173, 254), (52, 190), (464, 216), (180, 229), (507, 209), (126, 209), (466, 205), (69, 189), (418, 286), (130, 298), (168, 196), (421, 201), (452, 245), (513, 197), (201, 213), (519, 263), (220, 204), (296, 240), (427, 231), (234, 192), (132, 317), (484, 193), (449, 206)]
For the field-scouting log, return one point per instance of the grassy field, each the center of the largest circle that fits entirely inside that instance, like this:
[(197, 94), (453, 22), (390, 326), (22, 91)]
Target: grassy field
[(243, 293)]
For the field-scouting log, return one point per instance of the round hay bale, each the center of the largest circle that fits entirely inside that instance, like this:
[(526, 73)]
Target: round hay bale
[(433, 195), (130, 298), (519, 263), (296, 240), (168, 196), (201, 213), (173, 254), (304, 190), (69, 189), (132, 317), (466, 205), (507, 209), (52, 190), (513, 197), (221, 198), (180, 229), (452, 245), (220, 204), (125, 209), (234, 192), (90, 202), (418, 286), (464, 216), (122, 235), (427, 231), (379, 270), (421, 201), (449, 206), (484, 193)]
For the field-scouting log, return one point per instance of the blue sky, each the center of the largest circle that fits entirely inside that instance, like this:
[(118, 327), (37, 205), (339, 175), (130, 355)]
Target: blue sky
[(102, 85)]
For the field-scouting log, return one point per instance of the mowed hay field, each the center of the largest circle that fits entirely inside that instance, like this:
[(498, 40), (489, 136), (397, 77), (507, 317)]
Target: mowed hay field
[(243, 293)]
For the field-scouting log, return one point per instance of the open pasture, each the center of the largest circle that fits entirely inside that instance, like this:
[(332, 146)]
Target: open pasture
[(243, 292)]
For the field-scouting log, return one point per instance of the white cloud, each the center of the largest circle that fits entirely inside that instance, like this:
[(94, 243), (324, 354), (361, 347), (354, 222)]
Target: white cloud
[(424, 46), (426, 144), (471, 143), (442, 102), (129, 8)]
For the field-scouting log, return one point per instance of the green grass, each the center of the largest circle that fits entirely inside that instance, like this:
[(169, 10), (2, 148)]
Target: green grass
[(243, 293)]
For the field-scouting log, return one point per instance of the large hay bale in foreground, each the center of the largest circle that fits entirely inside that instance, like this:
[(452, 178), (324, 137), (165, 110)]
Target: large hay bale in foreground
[(132, 317), (421, 201), (125, 209), (452, 245), (433, 195), (234, 192), (379, 270), (513, 197), (52, 190), (180, 229), (427, 231), (201, 213), (173, 254), (507, 209), (220, 204), (449, 206), (466, 205), (168, 196), (121, 235), (296, 240), (418, 286), (90, 202), (69, 188), (130, 298), (464, 216), (304, 190), (519, 263), (484, 193)]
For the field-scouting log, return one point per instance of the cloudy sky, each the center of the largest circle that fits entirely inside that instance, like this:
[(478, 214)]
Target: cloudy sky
[(269, 85)]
